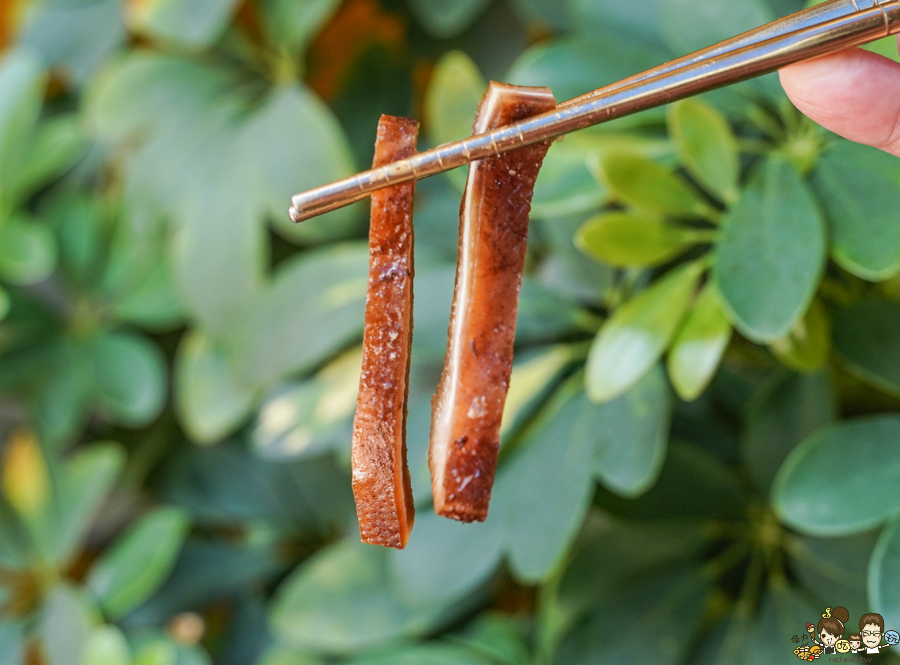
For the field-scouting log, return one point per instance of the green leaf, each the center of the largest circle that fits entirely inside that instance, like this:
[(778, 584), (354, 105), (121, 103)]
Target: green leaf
[(715, 492), (572, 66), (292, 143), (546, 315), (699, 346), (743, 638), (21, 95), (840, 480), (858, 188), (132, 570), (218, 281), (451, 101), (672, 603), (27, 251), (690, 25), (453, 95), (106, 645), (640, 21), (835, 567), (86, 481), (424, 654), (533, 375), (446, 560), (194, 24), (497, 636), (211, 401), (130, 376), (808, 346), (4, 303), (281, 655), (56, 146), (144, 90), (632, 433), (447, 18), (866, 335), (884, 575), (784, 411), (81, 225), (651, 188), (65, 624), (152, 303), (12, 642), (611, 552), (706, 147), (538, 527), (159, 651), (292, 24), (228, 483), (771, 253), (630, 240), (638, 332), (341, 600), (306, 418), (568, 185), (74, 37), (314, 292)]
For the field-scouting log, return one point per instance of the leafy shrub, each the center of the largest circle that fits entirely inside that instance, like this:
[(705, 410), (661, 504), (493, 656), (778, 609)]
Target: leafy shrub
[(701, 443)]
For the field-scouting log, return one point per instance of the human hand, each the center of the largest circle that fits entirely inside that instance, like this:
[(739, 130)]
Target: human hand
[(854, 93)]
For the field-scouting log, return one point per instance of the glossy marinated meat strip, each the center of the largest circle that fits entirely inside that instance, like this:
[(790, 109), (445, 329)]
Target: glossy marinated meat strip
[(468, 405), (381, 484)]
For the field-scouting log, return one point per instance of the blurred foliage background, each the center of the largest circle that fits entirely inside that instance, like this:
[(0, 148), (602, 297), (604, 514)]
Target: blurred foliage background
[(701, 449)]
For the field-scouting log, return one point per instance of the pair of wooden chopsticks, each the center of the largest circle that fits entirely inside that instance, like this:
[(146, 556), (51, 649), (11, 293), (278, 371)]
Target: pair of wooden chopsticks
[(831, 26)]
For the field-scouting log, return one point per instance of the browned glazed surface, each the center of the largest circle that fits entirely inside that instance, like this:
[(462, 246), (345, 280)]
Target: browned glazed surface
[(468, 405), (381, 484)]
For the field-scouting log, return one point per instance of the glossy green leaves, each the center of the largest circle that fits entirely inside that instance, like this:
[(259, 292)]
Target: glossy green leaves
[(210, 399), (453, 96), (628, 240), (687, 26), (451, 102), (698, 347), (293, 143), (842, 479), (187, 23), (706, 147), (649, 187), (447, 18), (130, 378), (557, 510), (135, 567), (866, 338), (292, 25), (638, 333), (343, 600), (27, 251), (771, 253), (808, 346), (21, 92), (858, 188)]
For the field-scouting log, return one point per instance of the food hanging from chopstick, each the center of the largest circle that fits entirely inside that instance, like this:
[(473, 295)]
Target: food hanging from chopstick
[(468, 405), (381, 483)]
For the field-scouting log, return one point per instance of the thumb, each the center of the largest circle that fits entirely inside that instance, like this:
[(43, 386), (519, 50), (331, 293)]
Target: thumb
[(854, 93)]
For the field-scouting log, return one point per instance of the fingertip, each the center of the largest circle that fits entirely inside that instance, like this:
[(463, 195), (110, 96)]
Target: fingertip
[(854, 93)]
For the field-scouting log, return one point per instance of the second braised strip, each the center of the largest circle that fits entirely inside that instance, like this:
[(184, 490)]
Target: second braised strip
[(468, 405), (381, 483)]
